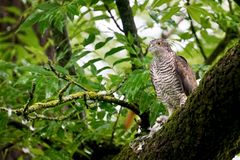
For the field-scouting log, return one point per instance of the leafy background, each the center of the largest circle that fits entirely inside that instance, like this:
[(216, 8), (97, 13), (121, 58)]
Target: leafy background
[(86, 45)]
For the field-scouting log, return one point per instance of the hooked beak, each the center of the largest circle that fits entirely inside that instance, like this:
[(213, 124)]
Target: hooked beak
[(151, 48)]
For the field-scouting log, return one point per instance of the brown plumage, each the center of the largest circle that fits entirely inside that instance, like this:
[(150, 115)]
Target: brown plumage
[(172, 77), (186, 75)]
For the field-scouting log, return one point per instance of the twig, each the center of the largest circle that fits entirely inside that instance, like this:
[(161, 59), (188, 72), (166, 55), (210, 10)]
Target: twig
[(115, 125), (146, 51), (230, 6), (60, 118), (85, 101), (195, 36), (119, 86), (112, 17), (61, 92), (129, 26), (168, 34), (15, 27), (31, 96), (65, 77), (197, 40)]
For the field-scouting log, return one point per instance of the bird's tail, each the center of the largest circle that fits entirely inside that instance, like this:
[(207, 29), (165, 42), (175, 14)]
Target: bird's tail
[(129, 119)]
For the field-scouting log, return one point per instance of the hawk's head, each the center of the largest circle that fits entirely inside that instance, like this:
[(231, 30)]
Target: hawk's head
[(160, 48)]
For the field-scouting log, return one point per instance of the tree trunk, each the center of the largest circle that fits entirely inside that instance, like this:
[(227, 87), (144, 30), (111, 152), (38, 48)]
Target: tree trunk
[(208, 126)]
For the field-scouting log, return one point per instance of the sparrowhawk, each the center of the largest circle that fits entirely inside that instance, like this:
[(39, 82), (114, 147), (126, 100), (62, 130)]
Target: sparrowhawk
[(172, 77)]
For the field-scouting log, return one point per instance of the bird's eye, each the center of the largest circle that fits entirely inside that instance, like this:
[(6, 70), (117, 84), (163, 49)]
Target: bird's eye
[(159, 43)]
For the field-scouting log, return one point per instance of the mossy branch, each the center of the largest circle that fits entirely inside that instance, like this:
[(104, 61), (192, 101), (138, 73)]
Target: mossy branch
[(79, 95)]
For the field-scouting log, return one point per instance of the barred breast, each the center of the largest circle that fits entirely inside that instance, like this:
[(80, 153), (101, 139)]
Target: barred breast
[(166, 82)]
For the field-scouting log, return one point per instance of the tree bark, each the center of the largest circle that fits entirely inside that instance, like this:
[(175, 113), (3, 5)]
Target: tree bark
[(129, 26), (207, 127)]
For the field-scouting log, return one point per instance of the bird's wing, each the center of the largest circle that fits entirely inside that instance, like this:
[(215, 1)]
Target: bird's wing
[(185, 75)]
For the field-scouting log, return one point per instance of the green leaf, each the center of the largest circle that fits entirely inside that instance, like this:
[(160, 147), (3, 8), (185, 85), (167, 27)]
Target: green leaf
[(81, 2), (121, 60), (158, 3), (72, 9), (215, 6), (113, 51), (59, 22), (196, 12), (145, 100), (84, 53), (205, 22), (131, 50), (43, 25), (101, 44), (61, 69), (93, 69), (57, 155), (104, 68), (108, 1), (156, 109), (101, 17), (3, 121), (35, 69), (8, 20), (32, 19), (48, 6), (115, 80), (13, 10), (174, 9), (210, 41), (190, 50), (4, 75), (91, 62), (94, 1), (130, 38), (92, 30), (36, 151), (143, 6), (154, 15), (136, 81), (121, 38), (6, 65), (101, 114), (185, 35), (75, 58), (90, 39)]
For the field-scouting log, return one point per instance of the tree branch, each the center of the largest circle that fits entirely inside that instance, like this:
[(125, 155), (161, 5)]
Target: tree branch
[(61, 92), (230, 6), (115, 126), (112, 17), (129, 26), (31, 96), (65, 77), (79, 95)]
